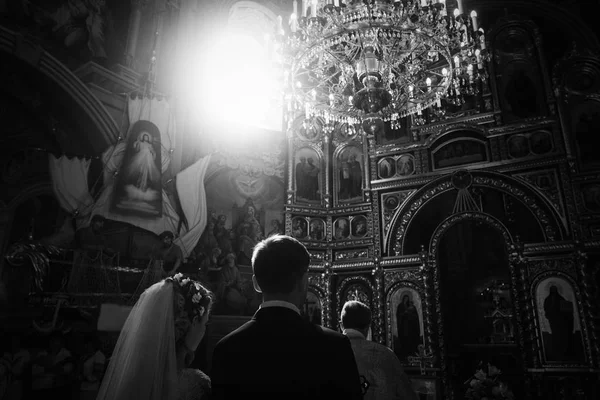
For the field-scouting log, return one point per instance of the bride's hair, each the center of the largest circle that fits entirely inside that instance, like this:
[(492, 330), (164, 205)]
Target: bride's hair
[(191, 301), (144, 362)]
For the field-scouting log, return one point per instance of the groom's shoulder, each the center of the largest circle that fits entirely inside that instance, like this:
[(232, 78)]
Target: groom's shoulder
[(328, 335)]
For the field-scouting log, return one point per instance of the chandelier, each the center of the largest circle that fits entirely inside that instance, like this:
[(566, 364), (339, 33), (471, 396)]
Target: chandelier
[(373, 61)]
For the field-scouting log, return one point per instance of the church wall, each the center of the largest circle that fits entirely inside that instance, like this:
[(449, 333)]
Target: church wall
[(518, 158)]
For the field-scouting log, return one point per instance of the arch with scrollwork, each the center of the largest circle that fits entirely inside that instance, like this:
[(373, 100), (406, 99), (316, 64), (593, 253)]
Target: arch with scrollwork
[(11, 43), (550, 222), (344, 285), (434, 273)]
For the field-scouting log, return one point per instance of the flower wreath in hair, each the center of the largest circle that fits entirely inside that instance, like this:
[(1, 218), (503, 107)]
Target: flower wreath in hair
[(191, 301)]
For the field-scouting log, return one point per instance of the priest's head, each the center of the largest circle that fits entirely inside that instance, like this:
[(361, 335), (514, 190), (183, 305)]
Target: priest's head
[(280, 265), (357, 316)]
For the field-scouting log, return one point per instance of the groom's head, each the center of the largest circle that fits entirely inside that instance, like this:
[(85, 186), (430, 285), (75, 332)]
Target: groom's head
[(280, 266)]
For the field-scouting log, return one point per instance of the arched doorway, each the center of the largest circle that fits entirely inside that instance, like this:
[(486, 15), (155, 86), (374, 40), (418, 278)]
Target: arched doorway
[(477, 318)]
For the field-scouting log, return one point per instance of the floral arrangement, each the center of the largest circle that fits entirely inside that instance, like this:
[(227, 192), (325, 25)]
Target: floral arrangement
[(192, 301), (486, 385)]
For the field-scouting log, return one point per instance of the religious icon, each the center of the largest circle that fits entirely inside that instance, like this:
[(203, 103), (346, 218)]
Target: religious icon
[(341, 229), (459, 152), (317, 229), (350, 173), (591, 197), (520, 92), (356, 292), (518, 146), (307, 175), (299, 228), (407, 322), (386, 168), (312, 310), (405, 165), (359, 226), (540, 142), (139, 188), (559, 322)]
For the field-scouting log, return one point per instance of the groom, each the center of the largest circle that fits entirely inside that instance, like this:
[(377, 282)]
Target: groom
[(279, 355)]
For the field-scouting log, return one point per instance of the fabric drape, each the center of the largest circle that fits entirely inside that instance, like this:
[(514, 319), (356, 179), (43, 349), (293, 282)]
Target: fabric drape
[(70, 184), (192, 197)]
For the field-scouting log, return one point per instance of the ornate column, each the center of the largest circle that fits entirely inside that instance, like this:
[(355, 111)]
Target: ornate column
[(378, 276)]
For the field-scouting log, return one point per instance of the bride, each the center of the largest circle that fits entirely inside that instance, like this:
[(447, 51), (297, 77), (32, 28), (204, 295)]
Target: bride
[(158, 342)]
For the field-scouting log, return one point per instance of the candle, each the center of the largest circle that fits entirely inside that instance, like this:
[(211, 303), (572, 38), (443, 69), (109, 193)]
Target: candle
[(460, 7), (423, 3), (304, 7), (280, 25), (313, 9), (478, 55), (293, 23), (438, 102), (456, 62), (306, 111), (410, 90), (474, 19), (336, 3), (296, 7), (482, 39), (428, 81)]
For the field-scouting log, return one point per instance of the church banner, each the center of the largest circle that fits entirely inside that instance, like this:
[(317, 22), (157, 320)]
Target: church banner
[(138, 187)]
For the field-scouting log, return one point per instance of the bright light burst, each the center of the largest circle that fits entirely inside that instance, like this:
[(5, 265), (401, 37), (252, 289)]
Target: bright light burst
[(238, 82)]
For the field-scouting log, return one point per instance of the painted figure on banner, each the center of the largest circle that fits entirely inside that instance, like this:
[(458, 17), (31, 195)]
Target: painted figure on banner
[(407, 322), (350, 174), (312, 309), (139, 188), (559, 321), (307, 174)]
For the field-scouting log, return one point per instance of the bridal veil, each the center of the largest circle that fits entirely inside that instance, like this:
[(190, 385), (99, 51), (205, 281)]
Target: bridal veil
[(143, 364)]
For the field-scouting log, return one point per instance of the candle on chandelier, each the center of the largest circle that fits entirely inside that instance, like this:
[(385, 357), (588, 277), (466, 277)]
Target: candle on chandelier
[(313, 8), (438, 102), (336, 3), (293, 23), (482, 38), (478, 56), (306, 111), (456, 62), (280, 25), (410, 90), (423, 3), (428, 81), (460, 7), (296, 7), (474, 19), (304, 7)]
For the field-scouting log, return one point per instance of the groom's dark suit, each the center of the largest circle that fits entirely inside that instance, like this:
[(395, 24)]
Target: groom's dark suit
[(279, 355)]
